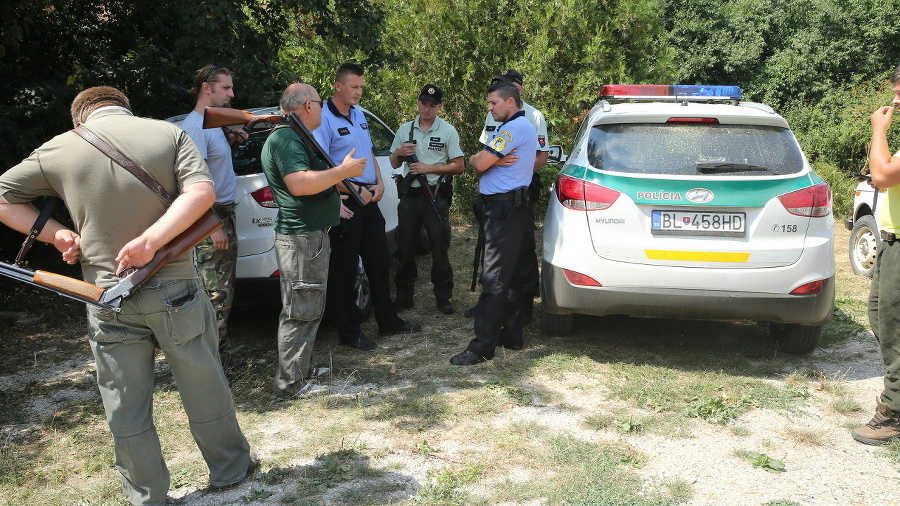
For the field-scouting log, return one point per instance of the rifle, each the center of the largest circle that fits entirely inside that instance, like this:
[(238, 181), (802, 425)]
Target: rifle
[(112, 298), (217, 117), (423, 182)]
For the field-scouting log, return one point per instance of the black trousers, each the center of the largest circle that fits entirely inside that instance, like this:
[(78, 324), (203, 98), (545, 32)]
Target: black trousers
[(414, 213), (501, 303), (361, 236), (527, 272)]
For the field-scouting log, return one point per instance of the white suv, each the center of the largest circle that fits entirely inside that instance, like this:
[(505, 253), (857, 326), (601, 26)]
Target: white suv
[(685, 202), (257, 267)]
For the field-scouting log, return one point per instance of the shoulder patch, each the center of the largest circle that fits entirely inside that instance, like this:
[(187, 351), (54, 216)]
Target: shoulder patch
[(498, 143)]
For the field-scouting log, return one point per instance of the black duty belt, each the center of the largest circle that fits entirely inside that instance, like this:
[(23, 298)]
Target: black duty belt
[(499, 197), (419, 191), (888, 236)]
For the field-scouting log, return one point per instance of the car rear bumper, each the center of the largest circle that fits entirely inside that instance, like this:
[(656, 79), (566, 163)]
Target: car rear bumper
[(561, 297)]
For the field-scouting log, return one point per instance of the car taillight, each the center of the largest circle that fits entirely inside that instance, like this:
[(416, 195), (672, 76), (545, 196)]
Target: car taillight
[(577, 278), (276, 274), (809, 288), (264, 197), (583, 196), (812, 201)]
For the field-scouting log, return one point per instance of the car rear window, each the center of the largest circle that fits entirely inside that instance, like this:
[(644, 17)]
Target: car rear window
[(694, 149)]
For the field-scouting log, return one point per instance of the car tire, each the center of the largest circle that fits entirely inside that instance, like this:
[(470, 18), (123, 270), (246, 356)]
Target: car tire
[(556, 324), (796, 339), (362, 293), (864, 242)]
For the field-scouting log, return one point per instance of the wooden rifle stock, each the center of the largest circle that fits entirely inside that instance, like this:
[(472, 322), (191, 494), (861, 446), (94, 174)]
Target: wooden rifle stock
[(216, 117), (69, 285)]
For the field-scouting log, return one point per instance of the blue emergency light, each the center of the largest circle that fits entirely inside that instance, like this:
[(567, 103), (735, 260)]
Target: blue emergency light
[(674, 92)]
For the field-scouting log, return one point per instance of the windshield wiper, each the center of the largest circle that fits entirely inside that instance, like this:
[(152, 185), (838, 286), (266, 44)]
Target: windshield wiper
[(707, 167)]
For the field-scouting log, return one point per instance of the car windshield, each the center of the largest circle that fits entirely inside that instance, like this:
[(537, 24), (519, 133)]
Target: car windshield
[(694, 149)]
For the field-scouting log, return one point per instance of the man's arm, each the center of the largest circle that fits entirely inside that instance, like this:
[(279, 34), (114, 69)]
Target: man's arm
[(311, 182), (21, 217), (378, 189), (482, 161), (452, 167), (193, 201), (884, 168), (540, 159)]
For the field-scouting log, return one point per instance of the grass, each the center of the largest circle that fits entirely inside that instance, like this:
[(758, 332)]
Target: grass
[(565, 421)]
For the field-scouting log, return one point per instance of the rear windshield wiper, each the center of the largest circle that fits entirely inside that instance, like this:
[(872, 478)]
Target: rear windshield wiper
[(707, 167)]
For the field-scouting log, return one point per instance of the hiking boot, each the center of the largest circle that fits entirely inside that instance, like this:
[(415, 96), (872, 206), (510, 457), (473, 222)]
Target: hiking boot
[(881, 430), (445, 306)]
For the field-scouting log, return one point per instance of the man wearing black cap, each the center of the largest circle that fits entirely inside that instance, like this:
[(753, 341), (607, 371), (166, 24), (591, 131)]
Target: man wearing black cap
[(527, 269), (428, 148)]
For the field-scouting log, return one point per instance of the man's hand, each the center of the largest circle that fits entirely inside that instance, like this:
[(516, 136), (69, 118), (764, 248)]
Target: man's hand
[(69, 244), (236, 135), (377, 191), (346, 213), (353, 167), (508, 160), (406, 149), (137, 253), (220, 239), (881, 118), (420, 168)]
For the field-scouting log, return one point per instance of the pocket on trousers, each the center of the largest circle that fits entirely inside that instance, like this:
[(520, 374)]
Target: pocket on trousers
[(104, 326), (186, 315), (307, 300)]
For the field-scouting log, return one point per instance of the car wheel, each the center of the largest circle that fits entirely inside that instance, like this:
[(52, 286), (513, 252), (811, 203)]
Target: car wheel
[(864, 242), (556, 324), (362, 293), (796, 339)]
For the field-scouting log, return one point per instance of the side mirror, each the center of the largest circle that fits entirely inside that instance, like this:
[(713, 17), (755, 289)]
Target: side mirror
[(556, 155)]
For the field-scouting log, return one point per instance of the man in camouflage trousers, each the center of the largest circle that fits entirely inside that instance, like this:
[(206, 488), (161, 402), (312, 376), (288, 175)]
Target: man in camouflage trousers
[(216, 256)]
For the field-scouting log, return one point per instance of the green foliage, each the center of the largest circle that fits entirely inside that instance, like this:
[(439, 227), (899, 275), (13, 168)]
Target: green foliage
[(713, 409), (335, 468), (150, 50), (763, 461), (444, 485)]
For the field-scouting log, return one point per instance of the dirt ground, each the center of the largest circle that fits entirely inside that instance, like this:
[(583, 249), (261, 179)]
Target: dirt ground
[(372, 412)]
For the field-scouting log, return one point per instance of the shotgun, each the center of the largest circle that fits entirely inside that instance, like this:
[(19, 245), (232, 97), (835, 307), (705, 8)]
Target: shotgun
[(217, 117), (112, 297)]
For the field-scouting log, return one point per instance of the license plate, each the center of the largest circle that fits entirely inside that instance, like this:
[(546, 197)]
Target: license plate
[(694, 223)]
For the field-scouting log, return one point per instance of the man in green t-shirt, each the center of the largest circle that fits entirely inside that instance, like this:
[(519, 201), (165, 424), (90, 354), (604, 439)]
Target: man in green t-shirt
[(308, 206)]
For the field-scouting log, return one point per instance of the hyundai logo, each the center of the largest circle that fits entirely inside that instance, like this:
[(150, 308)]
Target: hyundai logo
[(699, 195)]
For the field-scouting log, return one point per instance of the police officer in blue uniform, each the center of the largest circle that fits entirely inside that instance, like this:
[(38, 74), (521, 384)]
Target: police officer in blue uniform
[(344, 128), (503, 187)]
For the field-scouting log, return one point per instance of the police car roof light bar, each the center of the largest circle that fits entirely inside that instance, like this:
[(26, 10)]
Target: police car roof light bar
[(674, 93)]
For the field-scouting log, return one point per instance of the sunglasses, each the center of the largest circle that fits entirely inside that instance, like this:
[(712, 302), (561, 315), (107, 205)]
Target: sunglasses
[(212, 68)]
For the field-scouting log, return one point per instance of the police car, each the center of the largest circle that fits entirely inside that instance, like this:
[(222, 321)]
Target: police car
[(863, 227), (687, 202), (254, 214)]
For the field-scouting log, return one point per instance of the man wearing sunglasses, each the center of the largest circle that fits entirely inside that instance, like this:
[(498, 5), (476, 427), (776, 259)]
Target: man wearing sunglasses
[(217, 255)]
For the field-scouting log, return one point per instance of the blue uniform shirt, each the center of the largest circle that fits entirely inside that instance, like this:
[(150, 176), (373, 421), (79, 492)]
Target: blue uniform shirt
[(338, 134), (516, 134)]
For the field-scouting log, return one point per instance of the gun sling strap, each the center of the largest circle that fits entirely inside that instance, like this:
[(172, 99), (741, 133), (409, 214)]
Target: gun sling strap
[(36, 229)]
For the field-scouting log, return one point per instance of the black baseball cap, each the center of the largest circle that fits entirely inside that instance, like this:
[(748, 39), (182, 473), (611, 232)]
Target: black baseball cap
[(509, 75), (433, 93)]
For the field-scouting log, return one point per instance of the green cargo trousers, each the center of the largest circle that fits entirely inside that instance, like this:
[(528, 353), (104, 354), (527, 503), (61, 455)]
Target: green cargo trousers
[(180, 317), (884, 317)]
